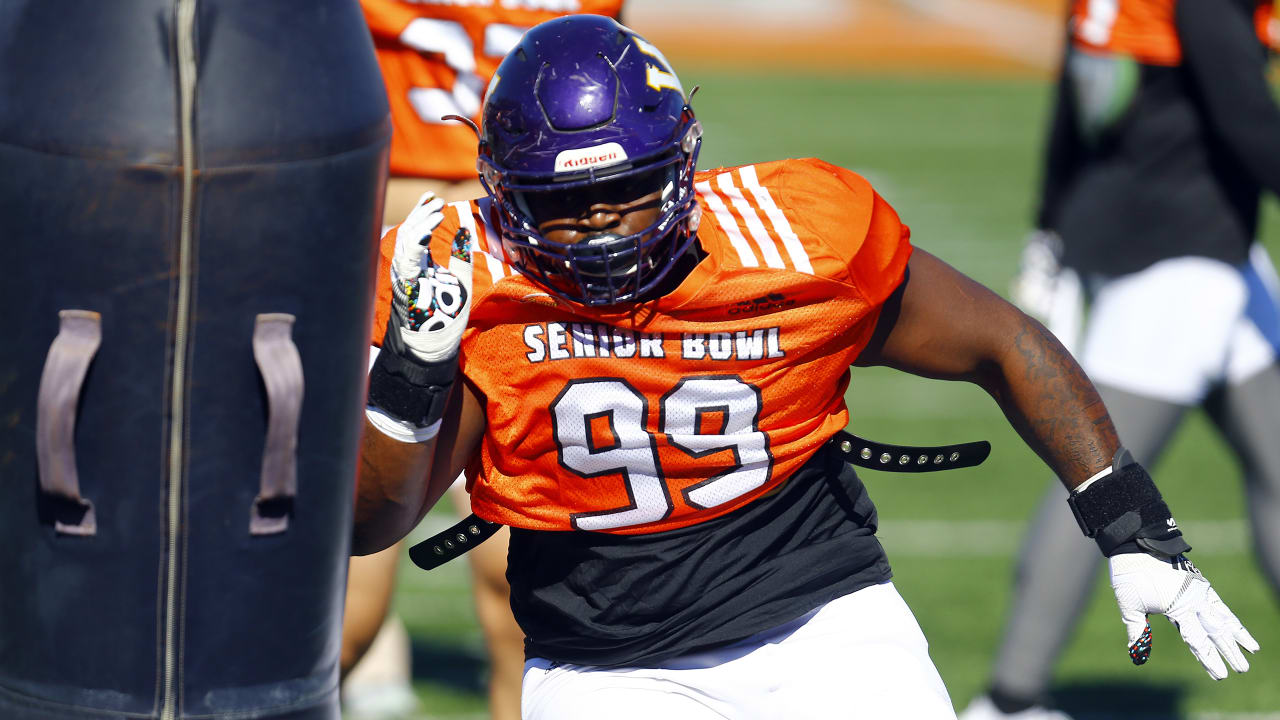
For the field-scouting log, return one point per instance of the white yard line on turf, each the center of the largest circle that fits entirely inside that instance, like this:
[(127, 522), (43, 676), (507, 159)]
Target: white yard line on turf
[(1210, 715), (1001, 538)]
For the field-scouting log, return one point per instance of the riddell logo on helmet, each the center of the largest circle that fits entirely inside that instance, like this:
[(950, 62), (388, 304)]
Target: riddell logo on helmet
[(772, 301), (592, 157)]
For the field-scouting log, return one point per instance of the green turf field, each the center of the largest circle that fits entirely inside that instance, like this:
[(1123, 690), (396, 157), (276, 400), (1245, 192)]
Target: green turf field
[(959, 161)]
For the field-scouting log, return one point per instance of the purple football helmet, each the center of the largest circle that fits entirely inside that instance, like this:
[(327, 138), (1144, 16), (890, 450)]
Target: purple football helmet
[(584, 107)]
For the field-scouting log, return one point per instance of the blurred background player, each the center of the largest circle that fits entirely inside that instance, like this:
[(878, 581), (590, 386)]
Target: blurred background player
[(1164, 136), (436, 60)]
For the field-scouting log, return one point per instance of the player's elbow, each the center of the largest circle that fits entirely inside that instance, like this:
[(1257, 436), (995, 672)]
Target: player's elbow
[(364, 544), (368, 538), (379, 522)]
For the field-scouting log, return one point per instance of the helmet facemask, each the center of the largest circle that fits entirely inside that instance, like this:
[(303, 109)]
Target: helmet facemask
[(603, 268)]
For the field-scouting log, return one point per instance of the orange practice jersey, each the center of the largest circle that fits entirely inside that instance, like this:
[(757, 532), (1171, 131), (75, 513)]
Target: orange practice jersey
[(1144, 29), (692, 405), (437, 57), (1267, 21)]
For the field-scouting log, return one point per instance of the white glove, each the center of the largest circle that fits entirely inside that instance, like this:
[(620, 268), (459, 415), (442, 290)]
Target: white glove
[(1175, 588), (1038, 270), (430, 303)]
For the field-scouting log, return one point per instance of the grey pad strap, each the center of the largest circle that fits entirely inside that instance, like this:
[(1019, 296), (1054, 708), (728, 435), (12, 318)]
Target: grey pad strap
[(79, 335), (281, 369)]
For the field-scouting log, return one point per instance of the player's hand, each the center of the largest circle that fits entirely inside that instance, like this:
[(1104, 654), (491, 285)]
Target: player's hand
[(1175, 588), (430, 303), (1036, 284)]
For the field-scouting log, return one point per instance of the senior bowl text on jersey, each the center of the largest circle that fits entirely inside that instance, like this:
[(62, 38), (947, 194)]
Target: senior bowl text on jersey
[(566, 341)]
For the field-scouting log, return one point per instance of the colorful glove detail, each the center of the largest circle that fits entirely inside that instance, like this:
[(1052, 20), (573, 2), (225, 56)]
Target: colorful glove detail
[(1175, 588), (431, 303)]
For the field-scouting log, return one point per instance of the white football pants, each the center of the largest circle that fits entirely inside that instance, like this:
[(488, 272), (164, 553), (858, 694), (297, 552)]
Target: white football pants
[(859, 656)]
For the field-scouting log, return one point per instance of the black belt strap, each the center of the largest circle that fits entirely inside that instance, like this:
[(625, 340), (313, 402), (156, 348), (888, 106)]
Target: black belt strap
[(443, 547), (909, 458)]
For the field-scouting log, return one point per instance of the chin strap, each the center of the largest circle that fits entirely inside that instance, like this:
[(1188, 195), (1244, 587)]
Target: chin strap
[(473, 530)]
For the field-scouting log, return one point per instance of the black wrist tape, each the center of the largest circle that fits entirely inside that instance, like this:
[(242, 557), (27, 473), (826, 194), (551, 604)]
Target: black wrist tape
[(406, 388), (1124, 512)]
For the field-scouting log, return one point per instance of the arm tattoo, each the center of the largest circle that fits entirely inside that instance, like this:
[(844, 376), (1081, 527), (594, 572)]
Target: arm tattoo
[(1053, 405)]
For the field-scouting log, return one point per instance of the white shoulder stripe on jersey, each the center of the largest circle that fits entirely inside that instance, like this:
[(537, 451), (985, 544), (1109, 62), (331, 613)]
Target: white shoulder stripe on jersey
[(486, 239), (483, 238), (791, 241), (494, 254), (768, 248), (728, 222)]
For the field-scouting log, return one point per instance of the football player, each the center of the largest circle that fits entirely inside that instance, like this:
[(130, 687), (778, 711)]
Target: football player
[(1164, 135), (436, 59), (644, 369)]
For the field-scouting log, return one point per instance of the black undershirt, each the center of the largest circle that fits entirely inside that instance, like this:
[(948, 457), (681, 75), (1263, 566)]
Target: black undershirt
[(626, 600)]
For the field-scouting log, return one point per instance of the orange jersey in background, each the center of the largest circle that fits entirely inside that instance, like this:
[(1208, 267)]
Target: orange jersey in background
[(1267, 20), (437, 57), (1141, 29), (694, 404), (1144, 29)]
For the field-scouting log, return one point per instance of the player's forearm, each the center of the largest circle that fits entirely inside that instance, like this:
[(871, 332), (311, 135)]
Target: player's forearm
[(411, 381), (391, 490), (941, 324), (1051, 402)]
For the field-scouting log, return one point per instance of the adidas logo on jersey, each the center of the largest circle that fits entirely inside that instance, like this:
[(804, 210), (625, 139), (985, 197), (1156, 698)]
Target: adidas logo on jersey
[(772, 301)]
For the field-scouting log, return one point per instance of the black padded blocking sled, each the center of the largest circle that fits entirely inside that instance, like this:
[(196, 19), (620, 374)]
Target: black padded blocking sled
[(190, 196)]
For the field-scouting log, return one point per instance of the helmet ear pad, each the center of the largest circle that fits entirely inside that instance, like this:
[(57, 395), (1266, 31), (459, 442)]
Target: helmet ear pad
[(584, 103)]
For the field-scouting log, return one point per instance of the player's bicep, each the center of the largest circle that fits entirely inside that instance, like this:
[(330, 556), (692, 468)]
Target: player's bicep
[(939, 323)]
